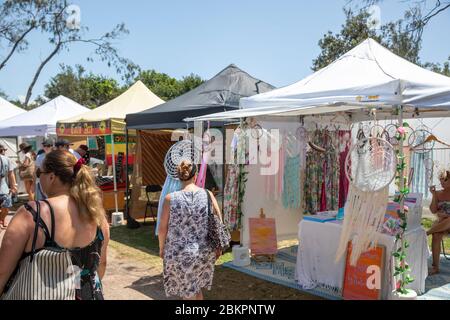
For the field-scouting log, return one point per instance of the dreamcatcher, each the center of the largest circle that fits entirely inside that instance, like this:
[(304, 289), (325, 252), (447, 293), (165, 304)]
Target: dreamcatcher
[(180, 151), (370, 167)]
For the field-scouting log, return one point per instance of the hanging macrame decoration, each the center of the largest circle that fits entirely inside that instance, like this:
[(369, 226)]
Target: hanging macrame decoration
[(370, 167)]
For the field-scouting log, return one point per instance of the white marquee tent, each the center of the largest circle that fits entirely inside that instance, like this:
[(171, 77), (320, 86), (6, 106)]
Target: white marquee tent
[(8, 110), (42, 120), (367, 75)]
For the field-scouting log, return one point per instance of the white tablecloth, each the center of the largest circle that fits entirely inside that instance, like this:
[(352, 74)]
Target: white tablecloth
[(318, 243)]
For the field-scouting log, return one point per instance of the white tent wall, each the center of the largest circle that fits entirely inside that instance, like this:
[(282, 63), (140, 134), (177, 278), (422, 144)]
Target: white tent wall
[(286, 220)]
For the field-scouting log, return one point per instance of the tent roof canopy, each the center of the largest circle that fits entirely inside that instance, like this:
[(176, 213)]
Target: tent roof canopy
[(137, 98), (42, 120), (8, 110), (220, 93), (367, 76)]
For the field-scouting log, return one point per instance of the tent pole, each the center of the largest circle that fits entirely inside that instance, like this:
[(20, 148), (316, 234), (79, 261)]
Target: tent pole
[(114, 172), (127, 182), (131, 223), (224, 156)]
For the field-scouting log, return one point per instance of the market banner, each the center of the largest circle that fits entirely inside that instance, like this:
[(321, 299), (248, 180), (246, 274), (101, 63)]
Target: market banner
[(84, 128), (120, 146)]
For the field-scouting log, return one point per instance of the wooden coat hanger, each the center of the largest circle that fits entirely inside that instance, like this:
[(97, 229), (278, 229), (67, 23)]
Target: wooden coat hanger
[(431, 138)]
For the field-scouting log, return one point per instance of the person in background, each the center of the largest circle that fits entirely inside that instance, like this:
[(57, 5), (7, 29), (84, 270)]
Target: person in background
[(183, 238), (75, 205), (440, 205), (27, 168), (81, 152), (47, 147), (8, 186), (65, 144)]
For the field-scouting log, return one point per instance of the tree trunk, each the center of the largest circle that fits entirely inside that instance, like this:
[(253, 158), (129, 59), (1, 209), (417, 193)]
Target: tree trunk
[(38, 72), (14, 48)]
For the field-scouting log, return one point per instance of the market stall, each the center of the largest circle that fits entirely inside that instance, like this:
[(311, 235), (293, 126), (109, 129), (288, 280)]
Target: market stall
[(367, 83), (105, 133), (220, 93)]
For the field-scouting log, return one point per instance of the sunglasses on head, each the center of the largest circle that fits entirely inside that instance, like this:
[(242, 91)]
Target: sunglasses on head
[(39, 172)]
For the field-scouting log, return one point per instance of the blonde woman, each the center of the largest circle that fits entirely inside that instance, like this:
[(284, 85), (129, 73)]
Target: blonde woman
[(440, 205), (72, 218), (188, 257)]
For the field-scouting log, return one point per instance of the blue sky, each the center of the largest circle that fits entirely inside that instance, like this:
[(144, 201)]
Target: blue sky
[(275, 41)]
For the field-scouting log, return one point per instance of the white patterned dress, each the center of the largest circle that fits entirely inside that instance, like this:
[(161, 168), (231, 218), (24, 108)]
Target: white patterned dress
[(188, 260)]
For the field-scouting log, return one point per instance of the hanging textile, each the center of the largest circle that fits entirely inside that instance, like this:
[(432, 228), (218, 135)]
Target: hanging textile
[(364, 217), (344, 148), (419, 161), (321, 192), (373, 167), (291, 183), (235, 181), (231, 198), (291, 192), (201, 177), (420, 183), (170, 185)]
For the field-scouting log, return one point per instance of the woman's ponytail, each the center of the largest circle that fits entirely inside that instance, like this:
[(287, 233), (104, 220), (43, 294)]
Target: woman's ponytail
[(83, 189), (87, 195)]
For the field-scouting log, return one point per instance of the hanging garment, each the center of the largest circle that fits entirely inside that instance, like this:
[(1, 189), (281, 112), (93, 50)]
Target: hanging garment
[(201, 177), (291, 183), (343, 180), (231, 198), (313, 178), (170, 185), (321, 192), (421, 178)]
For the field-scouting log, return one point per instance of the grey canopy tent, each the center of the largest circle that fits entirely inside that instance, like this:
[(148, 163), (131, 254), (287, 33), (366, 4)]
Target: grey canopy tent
[(220, 93)]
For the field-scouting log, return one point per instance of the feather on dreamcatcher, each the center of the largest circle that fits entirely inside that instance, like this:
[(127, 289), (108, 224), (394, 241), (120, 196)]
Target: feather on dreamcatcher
[(370, 167)]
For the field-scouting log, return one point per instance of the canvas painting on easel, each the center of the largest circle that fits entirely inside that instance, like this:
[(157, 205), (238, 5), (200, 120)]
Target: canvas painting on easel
[(263, 236)]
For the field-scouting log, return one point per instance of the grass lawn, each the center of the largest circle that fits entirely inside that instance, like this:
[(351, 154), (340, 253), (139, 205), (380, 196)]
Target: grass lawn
[(426, 223), (142, 244)]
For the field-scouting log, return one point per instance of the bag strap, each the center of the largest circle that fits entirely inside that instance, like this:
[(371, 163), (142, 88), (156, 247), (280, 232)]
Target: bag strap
[(1, 164), (209, 202)]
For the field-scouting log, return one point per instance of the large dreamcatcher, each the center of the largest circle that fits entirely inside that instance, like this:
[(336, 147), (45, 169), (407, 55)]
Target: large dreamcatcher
[(182, 150), (370, 168)]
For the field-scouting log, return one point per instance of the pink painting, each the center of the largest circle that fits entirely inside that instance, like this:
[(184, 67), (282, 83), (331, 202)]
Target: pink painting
[(263, 236)]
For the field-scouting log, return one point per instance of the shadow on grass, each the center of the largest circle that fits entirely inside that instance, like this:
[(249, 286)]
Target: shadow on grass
[(143, 238)]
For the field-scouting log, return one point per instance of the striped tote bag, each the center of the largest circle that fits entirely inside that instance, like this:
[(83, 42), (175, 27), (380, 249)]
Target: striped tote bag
[(46, 274)]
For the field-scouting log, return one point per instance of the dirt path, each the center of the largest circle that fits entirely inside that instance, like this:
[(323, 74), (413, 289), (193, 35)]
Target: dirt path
[(127, 279)]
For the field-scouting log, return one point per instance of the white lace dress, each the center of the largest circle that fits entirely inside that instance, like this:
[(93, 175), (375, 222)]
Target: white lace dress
[(188, 260)]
